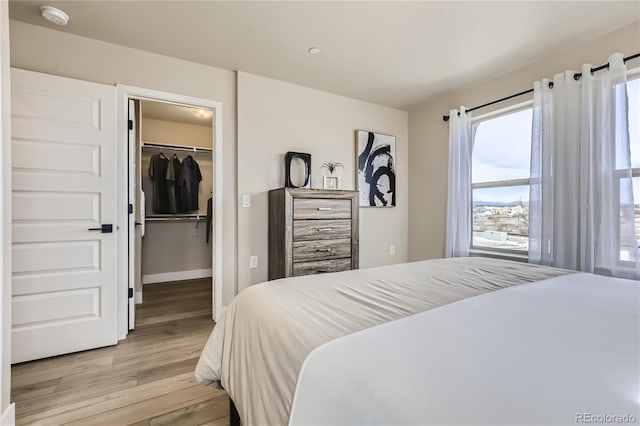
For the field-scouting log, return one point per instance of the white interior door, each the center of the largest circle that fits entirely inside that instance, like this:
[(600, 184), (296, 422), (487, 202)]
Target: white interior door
[(136, 218), (139, 207), (64, 260), (133, 206)]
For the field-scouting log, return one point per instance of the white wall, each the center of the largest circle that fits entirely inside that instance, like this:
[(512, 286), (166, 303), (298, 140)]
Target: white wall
[(173, 248), (40, 49), (428, 134), (7, 416), (275, 117), (174, 133)]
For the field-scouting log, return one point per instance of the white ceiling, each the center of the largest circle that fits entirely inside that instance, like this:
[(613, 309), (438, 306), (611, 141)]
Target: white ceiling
[(392, 53), (170, 112)]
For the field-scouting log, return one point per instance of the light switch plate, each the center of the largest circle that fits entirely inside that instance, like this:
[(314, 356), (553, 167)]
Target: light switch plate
[(392, 250), (253, 262), (246, 200)]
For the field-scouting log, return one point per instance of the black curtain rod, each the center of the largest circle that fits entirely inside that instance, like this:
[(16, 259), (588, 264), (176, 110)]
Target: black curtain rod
[(576, 77)]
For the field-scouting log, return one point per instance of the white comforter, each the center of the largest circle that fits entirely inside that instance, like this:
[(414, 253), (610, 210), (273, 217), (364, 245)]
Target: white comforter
[(258, 347), (559, 352)]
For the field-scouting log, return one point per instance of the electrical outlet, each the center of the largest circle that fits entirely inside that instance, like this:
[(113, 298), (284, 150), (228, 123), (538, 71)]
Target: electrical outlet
[(392, 250), (246, 200), (253, 262)]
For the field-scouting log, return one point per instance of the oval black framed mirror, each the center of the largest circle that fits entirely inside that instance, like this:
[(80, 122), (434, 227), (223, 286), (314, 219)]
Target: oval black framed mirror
[(297, 170)]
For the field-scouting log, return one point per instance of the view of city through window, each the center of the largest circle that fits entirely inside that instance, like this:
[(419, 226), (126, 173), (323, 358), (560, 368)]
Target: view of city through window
[(504, 222), (500, 176), (500, 182)]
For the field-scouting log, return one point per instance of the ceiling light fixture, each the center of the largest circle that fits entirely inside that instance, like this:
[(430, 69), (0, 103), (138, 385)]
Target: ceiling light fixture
[(201, 113), (54, 15), (314, 50)]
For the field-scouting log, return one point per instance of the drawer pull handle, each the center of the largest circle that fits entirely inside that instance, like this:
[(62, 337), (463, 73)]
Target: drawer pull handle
[(324, 229), (324, 209), (324, 250), (322, 271)]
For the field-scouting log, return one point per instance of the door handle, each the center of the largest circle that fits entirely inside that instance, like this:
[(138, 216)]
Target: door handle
[(138, 223), (105, 229)]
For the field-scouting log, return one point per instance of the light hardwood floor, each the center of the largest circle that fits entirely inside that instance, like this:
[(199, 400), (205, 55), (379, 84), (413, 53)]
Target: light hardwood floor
[(146, 379)]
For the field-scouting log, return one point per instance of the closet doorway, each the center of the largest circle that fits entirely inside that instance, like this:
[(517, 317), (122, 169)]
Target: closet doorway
[(172, 207)]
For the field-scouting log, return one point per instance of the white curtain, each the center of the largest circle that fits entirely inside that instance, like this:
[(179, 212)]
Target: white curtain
[(459, 192), (581, 200)]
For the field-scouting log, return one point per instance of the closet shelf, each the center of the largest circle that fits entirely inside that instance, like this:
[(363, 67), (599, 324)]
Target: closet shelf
[(174, 217), (161, 146)]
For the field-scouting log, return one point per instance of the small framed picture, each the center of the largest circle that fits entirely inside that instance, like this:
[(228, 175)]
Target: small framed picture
[(330, 182)]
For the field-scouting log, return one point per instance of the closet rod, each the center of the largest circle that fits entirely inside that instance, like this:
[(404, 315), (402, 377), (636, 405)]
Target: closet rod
[(175, 218), (175, 147), (576, 76)]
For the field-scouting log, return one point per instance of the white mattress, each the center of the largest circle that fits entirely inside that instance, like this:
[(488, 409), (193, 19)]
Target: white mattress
[(258, 347), (558, 352)]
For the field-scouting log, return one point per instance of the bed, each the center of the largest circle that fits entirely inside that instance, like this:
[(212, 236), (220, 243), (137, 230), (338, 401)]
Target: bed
[(561, 351), (257, 350)]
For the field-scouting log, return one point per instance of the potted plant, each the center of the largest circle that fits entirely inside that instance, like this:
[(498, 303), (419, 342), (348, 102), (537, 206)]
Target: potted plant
[(331, 181)]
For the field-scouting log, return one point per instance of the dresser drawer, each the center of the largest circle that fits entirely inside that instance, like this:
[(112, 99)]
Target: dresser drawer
[(321, 208), (321, 266), (304, 230), (321, 249)]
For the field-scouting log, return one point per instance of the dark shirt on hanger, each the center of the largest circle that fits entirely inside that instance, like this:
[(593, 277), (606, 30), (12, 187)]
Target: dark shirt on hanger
[(174, 171), (158, 172), (209, 216), (189, 184)]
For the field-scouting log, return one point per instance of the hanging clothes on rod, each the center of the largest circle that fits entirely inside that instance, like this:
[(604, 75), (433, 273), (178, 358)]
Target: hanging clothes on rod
[(174, 174), (189, 184), (176, 184), (158, 165), (209, 217)]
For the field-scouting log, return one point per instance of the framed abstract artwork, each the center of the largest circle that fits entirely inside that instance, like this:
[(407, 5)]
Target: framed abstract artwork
[(376, 169)]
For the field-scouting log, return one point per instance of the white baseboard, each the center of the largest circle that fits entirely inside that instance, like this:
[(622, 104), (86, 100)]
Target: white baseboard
[(9, 416), (138, 298), (177, 276)]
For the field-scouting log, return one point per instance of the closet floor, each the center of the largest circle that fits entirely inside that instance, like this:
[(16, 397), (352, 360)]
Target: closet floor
[(146, 379)]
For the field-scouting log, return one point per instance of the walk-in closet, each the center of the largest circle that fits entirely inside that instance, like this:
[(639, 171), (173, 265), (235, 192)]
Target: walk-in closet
[(173, 190)]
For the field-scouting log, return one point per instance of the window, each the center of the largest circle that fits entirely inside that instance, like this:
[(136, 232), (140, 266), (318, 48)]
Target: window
[(633, 96), (629, 224), (500, 169)]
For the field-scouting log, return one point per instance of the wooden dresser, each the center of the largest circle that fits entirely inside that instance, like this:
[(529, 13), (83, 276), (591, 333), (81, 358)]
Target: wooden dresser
[(312, 231)]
